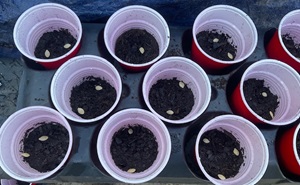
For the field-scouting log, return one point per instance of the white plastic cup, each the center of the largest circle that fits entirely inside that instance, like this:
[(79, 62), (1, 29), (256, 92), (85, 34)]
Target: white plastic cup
[(136, 17), (282, 81), (228, 20), (122, 119), (42, 18), (12, 133), (72, 73), (184, 70), (256, 154)]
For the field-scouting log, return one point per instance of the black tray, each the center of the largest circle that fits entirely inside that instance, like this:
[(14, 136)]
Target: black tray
[(83, 165)]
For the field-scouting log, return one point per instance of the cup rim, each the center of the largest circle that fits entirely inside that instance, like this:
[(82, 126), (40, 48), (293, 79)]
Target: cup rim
[(28, 12), (295, 145)]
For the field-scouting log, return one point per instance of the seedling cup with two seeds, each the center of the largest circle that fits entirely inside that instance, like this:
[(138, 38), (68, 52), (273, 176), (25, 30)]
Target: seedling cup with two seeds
[(176, 89), (48, 34), (35, 143), (136, 36), (86, 88), (222, 36), (231, 150), (268, 93)]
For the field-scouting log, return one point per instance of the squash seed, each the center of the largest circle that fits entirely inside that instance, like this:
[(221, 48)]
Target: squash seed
[(80, 110), (205, 140), (66, 46), (130, 131), (25, 154), (170, 112), (222, 177), (47, 53), (230, 55), (271, 114), (264, 94), (131, 170), (142, 50), (43, 138), (98, 87), (216, 40), (181, 84), (236, 152)]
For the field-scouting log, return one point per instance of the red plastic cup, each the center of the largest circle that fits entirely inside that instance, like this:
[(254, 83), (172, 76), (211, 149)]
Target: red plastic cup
[(136, 17), (289, 24), (287, 151), (229, 20), (282, 80), (46, 17)]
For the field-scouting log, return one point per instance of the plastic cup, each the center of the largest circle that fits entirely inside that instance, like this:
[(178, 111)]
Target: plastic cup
[(282, 81), (286, 147), (228, 20), (11, 134), (136, 17), (256, 154), (71, 74), (184, 70), (289, 24), (122, 119), (42, 18)]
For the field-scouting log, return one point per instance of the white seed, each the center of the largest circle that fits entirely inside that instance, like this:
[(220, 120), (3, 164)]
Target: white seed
[(271, 114), (205, 140), (131, 170), (181, 84), (170, 112), (25, 154), (80, 110), (43, 138), (236, 152), (216, 40), (130, 131), (230, 55), (222, 177), (66, 46), (47, 53), (98, 87), (142, 50), (264, 94)]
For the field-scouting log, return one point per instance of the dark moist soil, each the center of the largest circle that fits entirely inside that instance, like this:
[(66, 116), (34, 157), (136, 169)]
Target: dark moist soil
[(45, 155), (94, 102), (217, 45), (134, 148), (289, 43), (55, 42), (167, 95), (129, 46), (260, 99), (216, 150)]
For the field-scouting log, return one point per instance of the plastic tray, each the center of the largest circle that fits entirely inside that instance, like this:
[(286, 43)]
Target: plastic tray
[(83, 165)]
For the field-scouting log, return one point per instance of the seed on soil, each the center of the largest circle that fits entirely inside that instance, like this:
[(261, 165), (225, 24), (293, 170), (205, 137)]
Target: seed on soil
[(264, 94), (66, 46), (131, 170), (80, 110), (230, 55), (205, 140), (170, 112), (130, 131), (216, 40), (236, 152), (98, 87), (222, 177), (142, 50), (181, 84), (43, 138), (47, 53), (271, 114), (25, 154)]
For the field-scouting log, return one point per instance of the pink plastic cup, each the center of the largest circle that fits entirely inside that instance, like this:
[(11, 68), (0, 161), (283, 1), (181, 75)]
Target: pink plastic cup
[(11, 134), (72, 73), (282, 80), (46, 17), (289, 24), (251, 140), (184, 70), (128, 117), (136, 17), (229, 20)]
